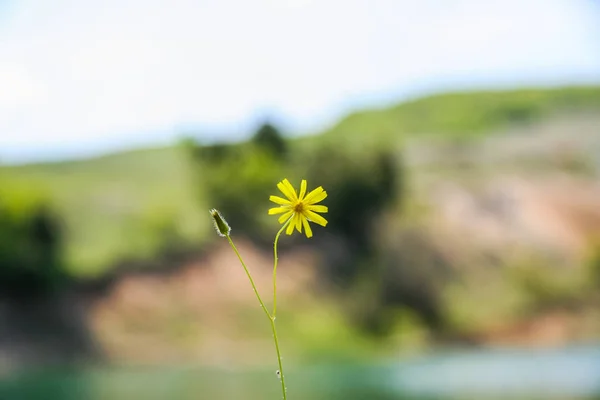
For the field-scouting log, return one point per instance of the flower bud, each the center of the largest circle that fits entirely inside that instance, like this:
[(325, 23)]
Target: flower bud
[(221, 225)]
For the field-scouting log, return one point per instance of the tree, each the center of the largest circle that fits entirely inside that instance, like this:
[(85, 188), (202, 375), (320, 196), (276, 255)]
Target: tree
[(270, 138)]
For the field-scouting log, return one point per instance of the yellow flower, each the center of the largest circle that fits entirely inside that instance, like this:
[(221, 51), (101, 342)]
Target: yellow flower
[(298, 207)]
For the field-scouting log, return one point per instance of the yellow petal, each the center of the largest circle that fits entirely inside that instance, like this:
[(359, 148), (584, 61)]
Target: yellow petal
[(317, 208), (278, 210), (312, 193), (307, 228), (288, 190), (302, 189), (279, 200), (285, 217), (316, 218), (298, 222), (291, 188), (290, 228), (315, 196)]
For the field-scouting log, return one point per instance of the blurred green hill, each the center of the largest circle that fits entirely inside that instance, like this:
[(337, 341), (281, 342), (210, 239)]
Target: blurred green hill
[(117, 206), (134, 204), (466, 114)]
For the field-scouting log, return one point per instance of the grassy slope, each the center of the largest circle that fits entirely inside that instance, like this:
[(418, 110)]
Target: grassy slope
[(466, 114), (109, 203)]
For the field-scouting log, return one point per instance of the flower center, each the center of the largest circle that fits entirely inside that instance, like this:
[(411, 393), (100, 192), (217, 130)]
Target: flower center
[(298, 207)]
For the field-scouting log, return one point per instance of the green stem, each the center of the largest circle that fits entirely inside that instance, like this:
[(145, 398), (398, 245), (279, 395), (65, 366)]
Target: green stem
[(283, 389), (275, 258), (271, 318), (262, 304)]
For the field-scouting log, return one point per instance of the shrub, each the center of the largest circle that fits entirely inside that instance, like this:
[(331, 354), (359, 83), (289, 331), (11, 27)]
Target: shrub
[(30, 243)]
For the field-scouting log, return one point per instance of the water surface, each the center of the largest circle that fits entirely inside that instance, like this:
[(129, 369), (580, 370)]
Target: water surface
[(571, 373)]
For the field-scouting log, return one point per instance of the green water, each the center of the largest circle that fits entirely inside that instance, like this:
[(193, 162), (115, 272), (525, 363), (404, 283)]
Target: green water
[(572, 374)]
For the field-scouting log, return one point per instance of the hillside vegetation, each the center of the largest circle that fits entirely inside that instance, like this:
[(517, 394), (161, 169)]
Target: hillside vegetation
[(466, 114), (115, 207), (133, 204)]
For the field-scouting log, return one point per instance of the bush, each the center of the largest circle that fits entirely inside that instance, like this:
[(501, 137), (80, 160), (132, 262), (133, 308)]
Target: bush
[(30, 243), (360, 187), (237, 180)]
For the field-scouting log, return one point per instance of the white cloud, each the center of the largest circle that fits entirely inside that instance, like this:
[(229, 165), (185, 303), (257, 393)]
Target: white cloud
[(19, 88)]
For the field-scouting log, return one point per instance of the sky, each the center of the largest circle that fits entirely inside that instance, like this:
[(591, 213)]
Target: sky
[(84, 77)]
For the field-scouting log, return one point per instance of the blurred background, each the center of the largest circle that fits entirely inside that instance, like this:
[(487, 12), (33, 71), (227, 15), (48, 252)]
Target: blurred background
[(459, 142)]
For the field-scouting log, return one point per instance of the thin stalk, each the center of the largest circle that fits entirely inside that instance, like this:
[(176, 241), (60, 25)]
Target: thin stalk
[(262, 304), (271, 318), (283, 389), (275, 258)]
